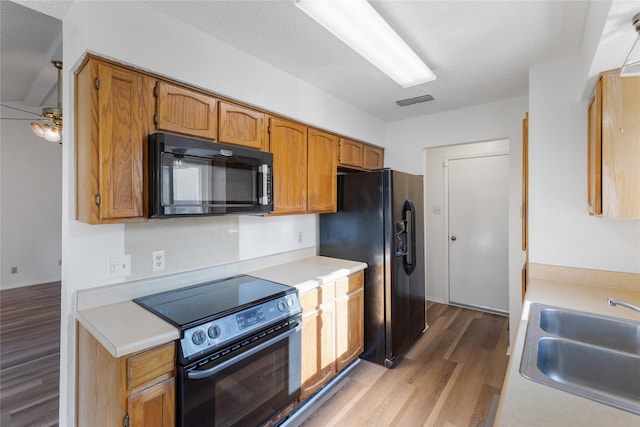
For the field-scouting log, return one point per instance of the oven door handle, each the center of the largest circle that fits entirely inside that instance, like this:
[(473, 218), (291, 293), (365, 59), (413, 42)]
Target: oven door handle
[(198, 375)]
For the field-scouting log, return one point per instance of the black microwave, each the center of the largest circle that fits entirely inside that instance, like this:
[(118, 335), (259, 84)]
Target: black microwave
[(194, 177)]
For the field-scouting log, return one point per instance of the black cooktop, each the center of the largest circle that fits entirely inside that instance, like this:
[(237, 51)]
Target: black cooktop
[(192, 305)]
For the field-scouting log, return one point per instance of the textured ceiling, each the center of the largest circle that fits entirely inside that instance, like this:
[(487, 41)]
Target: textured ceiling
[(481, 51), (29, 41)]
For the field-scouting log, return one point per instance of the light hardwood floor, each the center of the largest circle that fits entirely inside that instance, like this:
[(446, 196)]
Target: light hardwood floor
[(29, 355), (447, 379)]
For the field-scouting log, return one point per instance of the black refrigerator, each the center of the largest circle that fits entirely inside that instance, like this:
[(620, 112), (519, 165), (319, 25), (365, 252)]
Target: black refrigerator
[(380, 222)]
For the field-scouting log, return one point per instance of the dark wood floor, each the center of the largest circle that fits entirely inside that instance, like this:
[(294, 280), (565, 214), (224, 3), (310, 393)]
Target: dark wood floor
[(29, 355), (449, 378)]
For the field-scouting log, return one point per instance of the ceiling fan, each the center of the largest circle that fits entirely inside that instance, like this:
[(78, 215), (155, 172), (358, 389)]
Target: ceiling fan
[(49, 126)]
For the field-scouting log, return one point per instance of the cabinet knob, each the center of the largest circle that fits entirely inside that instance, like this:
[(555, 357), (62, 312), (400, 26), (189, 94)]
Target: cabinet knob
[(454, 238)]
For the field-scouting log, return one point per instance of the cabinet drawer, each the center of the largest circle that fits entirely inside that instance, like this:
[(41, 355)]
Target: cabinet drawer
[(349, 285), (317, 296), (149, 365)]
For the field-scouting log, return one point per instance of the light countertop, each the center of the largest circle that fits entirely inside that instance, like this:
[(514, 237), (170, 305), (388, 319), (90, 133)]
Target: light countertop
[(124, 327), (526, 403)]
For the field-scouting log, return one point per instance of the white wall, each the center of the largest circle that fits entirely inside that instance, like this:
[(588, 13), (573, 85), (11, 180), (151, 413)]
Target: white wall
[(562, 232), (136, 34), (30, 177), (406, 141)]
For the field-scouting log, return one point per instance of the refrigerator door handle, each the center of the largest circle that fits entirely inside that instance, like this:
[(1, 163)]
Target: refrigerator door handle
[(409, 216)]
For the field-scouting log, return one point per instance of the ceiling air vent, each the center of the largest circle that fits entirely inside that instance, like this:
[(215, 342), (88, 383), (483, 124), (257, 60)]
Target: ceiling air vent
[(416, 100)]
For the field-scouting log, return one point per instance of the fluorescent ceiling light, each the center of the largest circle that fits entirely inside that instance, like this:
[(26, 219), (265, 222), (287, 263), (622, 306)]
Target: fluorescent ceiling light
[(357, 24)]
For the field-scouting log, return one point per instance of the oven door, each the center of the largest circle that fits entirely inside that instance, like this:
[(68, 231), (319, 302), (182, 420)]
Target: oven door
[(245, 387)]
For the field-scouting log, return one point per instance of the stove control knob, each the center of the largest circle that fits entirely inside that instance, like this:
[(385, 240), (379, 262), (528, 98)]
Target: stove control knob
[(282, 306), (214, 332), (290, 302), (198, 337)]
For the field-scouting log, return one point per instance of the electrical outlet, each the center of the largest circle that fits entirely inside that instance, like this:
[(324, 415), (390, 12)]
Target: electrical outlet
[(14, 270), (158, 260), (119, 266), (299, 236)]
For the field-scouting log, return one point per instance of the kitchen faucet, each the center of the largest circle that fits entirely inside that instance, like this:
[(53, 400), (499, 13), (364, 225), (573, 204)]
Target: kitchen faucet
[(613, 302)]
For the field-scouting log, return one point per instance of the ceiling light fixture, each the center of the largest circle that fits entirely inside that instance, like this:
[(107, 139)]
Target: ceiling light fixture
[(357, 24), (51, 131), (631, 65)]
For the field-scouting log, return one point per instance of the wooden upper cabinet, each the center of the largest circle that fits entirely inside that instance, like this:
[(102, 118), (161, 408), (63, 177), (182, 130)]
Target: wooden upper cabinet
[(614, 147), (525, 182), (322, 172), (186, 111), (350, 153), (288, 143), (357, 155), (372, 157), (111, 138), (594, 153), (242, 126)]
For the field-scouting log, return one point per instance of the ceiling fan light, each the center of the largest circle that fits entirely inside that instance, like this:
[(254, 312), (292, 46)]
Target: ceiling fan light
[(38, 129), (631, 65), (52, 134), (359, 26)]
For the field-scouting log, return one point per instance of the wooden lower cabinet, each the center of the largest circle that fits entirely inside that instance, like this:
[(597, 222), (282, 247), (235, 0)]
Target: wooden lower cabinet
[(318, 340), (349, 319), (138, 389), (332, 330)]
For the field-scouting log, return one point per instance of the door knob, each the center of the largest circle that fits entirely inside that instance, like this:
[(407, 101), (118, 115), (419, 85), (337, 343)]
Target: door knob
[(454, 238)]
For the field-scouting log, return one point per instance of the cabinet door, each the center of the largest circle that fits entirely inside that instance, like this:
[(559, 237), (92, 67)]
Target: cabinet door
[(153, 406), (323, 169), (318, 349), (122, 135), (595, 152), (620, 146), (350, 153), (288, 143), (186, 111), (349, 320), (373, 157), (242, 126)]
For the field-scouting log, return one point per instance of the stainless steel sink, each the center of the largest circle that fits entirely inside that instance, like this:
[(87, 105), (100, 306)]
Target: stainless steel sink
[(596, 357), (602, 331)]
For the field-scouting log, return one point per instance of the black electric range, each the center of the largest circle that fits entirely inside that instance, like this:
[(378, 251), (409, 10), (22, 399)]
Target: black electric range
[(214, 314)]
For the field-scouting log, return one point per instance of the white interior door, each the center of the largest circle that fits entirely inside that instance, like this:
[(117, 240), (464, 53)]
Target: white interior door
[(478, 232)]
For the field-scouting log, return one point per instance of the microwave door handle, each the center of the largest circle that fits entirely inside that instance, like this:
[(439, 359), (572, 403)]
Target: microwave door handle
[(263, 197), (198, 375)]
